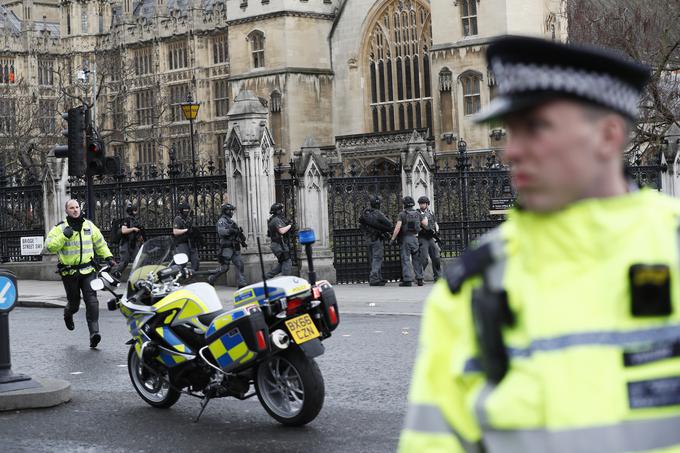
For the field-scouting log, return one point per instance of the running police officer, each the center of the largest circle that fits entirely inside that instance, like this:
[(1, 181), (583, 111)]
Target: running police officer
[(183, 232), (278, 230), (132, 237), (559, 330), (427, 238), (376, 228), (407, 228), (231, 240), (76, 241)]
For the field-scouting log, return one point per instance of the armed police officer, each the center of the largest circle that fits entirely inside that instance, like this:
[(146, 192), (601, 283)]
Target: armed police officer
[(558, 331), (231, 240), (278, 230), (185, 235), (76, 241), (376, 228), (132, 237), (407, 228), (428, 237)]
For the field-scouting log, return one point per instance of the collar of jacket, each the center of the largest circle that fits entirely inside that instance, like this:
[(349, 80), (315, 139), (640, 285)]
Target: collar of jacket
[(587, 231)]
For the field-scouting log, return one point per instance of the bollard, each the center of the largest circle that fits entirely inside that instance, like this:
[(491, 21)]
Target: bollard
[(8, 297)]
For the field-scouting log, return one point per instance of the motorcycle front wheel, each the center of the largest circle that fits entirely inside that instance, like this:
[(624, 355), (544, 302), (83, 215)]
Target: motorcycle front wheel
[(290, 387), (153, 388)]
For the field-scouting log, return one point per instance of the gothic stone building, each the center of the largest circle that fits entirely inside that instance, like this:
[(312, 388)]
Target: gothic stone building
[(356, 75)]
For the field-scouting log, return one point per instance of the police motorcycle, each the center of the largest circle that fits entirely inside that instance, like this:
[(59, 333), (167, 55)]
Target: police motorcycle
[(185, 342)]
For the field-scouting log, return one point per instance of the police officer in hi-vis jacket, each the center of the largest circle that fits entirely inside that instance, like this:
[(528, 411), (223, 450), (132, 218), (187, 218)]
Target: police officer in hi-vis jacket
[(76, 241), (559, 330)]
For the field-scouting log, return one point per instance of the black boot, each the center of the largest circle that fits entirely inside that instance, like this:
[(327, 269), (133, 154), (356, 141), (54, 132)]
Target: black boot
[(211, 280), (95, 338), (68, 320), (420, 282)]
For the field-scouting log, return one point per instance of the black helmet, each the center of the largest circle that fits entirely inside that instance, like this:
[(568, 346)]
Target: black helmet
[(375, 201), (184, 208), (228, 208), (131, 208), (276, 208), (423, 199), (408, 202)]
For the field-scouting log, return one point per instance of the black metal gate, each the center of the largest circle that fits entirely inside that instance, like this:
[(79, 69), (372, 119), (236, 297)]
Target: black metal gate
[(348, 197), (286, 190), (157, 194), (21, 214)]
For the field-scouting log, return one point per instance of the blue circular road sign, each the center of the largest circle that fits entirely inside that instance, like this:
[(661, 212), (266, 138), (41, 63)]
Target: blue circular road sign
[(8, 292)]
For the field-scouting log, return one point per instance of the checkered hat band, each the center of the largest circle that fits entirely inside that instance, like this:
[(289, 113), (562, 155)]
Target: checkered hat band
[(514, 78)]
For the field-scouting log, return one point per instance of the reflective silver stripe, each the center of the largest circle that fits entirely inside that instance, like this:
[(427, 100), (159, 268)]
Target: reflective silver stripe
[(627, 436), (480, 405), (426, 418), (75, 251), (602, 338), (493, 277)]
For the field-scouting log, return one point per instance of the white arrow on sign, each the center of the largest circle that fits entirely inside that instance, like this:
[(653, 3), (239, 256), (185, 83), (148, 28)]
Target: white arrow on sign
[(4, 291)]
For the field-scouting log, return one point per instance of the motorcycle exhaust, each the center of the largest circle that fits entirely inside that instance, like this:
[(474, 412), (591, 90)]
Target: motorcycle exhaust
[(280, 339)]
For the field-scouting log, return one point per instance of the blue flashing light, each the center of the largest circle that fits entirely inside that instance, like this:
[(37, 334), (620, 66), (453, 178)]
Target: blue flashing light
[(306, 236)]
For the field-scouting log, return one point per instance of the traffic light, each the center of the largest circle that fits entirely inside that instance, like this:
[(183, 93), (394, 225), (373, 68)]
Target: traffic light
[(95, 156), (74, 151)]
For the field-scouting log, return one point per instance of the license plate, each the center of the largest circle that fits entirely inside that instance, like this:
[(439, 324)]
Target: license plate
[(302, 328)]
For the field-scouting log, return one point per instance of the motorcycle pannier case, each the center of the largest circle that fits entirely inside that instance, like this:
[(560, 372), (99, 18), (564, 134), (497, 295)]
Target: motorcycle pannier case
[(237, 337)]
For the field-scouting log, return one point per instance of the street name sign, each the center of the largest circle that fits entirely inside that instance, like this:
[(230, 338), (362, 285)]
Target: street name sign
[(31, 245)]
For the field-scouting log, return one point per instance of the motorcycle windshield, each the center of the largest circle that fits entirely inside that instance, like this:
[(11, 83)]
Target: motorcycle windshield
[(154, 255)]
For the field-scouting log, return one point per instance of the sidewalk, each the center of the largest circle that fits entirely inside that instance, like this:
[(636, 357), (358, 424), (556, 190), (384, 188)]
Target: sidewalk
[(352, 299)]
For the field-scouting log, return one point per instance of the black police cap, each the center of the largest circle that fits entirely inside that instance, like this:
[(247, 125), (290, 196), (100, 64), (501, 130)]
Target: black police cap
[(531, 71)]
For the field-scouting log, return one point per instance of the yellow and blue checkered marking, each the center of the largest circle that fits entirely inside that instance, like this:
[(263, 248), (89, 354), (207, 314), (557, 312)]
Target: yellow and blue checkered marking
[(168, 335), (230, 350), (224, 320), (256, 294)]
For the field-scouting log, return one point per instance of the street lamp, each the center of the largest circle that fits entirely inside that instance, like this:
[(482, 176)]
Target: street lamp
[(190, 111)]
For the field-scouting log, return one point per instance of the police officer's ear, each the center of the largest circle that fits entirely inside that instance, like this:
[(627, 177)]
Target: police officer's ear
[(614, 131)]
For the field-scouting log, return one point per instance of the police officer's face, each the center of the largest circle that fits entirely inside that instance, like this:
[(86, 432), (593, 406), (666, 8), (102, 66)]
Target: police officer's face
[(423, 206), (560, 154), (73, 209)]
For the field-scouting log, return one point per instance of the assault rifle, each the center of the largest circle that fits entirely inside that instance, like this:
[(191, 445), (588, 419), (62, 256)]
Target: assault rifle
[(241, 238), (431, 234)]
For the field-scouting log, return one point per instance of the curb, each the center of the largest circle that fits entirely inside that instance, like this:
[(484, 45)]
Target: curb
[(52, 392), (39, 304)]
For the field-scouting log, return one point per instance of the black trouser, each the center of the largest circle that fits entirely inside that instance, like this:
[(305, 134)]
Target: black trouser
[(127, 254), (74, 285)]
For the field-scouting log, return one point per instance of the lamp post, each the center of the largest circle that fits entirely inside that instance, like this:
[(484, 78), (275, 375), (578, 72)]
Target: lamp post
[(190, 111)]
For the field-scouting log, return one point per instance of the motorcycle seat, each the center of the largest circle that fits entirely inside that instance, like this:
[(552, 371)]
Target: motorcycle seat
[(207, 318)]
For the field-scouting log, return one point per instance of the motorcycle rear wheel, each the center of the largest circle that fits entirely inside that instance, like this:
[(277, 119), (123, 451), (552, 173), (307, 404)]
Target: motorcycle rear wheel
[(155, 391), (290, 387)]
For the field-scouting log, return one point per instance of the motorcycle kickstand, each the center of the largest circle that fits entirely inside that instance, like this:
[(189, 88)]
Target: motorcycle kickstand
[(204, 402)]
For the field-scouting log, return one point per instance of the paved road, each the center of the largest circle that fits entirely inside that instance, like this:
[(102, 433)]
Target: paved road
[(367, 366)]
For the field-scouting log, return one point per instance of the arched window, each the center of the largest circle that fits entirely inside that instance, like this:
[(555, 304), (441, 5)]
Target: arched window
[(256, 39), (397, 62), (471, 82)]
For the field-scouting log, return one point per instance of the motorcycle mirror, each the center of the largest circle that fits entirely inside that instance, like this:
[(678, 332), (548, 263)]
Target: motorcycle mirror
[(97, 284), (180, 258)]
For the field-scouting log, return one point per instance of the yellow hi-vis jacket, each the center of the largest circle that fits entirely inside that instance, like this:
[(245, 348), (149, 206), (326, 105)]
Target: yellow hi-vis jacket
[(583, 374), (79, 248)]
